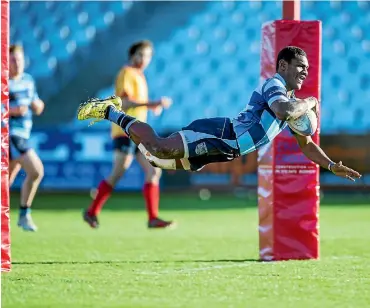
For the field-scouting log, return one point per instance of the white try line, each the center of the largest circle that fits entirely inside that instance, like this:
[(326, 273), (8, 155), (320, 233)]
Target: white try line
[(188, 270), (344, 257)]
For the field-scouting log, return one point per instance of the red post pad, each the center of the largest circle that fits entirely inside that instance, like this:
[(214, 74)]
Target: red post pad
[(5, 234), (288, 183)]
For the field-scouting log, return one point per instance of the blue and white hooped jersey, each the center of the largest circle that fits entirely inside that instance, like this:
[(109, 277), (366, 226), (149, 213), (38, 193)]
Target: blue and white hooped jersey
[(22, 92), (257, 124)]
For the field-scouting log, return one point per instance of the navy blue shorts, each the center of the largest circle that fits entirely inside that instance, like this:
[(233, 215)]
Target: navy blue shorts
[(17, 147), (125, 145), (209, 141)]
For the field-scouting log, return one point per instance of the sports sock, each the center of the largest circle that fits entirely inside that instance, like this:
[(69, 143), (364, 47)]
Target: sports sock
[(24, 210), (169, 164), (120, 118), (151, 196), (104, 191)]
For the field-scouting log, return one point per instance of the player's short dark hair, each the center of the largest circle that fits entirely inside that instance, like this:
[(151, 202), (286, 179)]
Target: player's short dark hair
[(15, 47), (289, 53), (139, 45)]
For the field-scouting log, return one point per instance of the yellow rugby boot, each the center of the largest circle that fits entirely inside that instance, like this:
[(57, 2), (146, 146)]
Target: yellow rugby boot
[(96, 108)]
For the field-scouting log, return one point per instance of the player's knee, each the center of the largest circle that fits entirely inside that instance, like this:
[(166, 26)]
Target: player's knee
[(11, 179), (153, 175), (37, 173)]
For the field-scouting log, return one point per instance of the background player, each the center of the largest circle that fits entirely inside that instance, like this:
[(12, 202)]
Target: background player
[(23, 103), (132, 88), (222, 139)]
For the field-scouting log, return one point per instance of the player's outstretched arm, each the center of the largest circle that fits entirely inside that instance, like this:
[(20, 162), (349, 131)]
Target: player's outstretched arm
[(313, 152), (293, 108)]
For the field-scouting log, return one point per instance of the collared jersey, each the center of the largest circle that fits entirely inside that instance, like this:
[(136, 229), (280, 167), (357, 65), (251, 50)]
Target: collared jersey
[(257, 124), (131, 84), (22, 92)]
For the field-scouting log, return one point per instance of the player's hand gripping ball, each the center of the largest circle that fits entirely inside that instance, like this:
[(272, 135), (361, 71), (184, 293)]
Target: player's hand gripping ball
[(305, 125)]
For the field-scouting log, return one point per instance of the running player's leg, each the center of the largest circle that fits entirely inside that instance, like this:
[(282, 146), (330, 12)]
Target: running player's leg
[(34, 169), (123, 157), (14, 168), (14, 164), (122, 161), (22, 156), (151, 193)]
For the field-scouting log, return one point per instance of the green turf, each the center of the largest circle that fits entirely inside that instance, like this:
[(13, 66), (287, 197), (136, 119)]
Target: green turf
[(208, 261)]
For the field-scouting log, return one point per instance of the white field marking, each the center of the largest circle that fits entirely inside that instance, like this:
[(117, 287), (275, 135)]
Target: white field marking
[(344, 257), (188, 270)]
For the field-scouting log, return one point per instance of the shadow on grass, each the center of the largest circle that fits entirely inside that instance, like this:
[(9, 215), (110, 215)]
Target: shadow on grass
[(133, 262)]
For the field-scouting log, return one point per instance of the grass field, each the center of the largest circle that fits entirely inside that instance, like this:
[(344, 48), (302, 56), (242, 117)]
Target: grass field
[(209, 260)]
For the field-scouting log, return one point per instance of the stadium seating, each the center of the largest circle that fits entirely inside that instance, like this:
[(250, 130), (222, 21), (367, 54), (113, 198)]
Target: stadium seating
[(211, 65), (216, 61), (59, 29)]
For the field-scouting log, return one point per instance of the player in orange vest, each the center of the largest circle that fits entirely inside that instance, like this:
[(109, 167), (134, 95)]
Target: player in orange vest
[(132, 87)]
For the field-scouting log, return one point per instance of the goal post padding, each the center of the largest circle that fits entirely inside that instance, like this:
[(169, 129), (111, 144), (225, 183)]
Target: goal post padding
[(288, 183), (5, 234)]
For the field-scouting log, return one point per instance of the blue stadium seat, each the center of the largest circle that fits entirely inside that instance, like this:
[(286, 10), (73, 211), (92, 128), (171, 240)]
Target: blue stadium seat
[(80, 37), (366, 122), (67, 7), (344, 119), (117, 7), (40, 69), (63, 51), (19, 22), (49, 28), (72, 23), (172, 118), (106, 92), (39, 9)]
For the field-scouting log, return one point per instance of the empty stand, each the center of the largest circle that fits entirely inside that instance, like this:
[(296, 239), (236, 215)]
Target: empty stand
[(211, 65)]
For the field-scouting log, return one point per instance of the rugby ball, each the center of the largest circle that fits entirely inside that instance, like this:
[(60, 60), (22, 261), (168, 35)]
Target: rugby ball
[(305, 125)]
